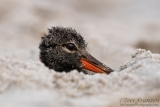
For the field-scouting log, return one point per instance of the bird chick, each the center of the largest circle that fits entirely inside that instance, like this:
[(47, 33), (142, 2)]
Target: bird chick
[(63, 49)]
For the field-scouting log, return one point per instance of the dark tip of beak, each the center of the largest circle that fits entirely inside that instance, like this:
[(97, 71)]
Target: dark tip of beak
[(92, 64)]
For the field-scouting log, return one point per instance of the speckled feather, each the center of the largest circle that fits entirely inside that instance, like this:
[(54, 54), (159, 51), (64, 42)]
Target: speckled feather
[(52, 54)]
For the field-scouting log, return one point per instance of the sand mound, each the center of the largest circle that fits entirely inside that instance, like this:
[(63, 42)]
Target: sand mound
[(30, 83)]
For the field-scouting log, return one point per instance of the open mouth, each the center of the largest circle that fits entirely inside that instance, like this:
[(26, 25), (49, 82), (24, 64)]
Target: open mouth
[(92, 64)]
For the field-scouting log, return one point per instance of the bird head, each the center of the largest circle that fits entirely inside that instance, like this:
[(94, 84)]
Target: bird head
[(63, 49)]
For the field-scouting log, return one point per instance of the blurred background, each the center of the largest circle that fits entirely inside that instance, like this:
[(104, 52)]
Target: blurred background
[(122, 24)]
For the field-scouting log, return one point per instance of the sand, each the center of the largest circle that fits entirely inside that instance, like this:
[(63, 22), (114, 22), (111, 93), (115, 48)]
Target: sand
[(114, 31)]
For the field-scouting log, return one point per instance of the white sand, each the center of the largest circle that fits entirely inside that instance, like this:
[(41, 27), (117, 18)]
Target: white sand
[(113, 29), (31, 84)]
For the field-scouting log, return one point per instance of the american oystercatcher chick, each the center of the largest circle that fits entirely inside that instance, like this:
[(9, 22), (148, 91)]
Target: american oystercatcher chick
[(63, 49)]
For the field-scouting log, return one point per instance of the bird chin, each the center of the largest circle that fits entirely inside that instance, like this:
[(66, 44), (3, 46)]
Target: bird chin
[(88, 72)]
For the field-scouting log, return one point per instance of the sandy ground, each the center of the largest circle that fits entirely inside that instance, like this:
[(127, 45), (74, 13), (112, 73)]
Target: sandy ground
[(113, 29)]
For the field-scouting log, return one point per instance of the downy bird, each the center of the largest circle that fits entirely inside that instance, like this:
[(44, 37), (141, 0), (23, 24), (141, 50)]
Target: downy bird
[(63, 50)]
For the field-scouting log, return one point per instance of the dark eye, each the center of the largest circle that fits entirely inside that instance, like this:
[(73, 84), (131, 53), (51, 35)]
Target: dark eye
[(70, 46)]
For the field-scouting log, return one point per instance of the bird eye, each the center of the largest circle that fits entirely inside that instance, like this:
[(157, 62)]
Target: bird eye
[(70, 46)]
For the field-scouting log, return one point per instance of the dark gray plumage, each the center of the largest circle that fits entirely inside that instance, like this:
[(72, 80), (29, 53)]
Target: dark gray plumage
[(63, 49), (54, 52)]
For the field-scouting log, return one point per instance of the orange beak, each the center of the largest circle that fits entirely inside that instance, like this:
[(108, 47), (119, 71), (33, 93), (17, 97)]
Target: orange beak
[(92, 64)]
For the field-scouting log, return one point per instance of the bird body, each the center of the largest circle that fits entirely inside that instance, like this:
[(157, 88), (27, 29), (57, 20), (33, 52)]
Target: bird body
[(63, 49)]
